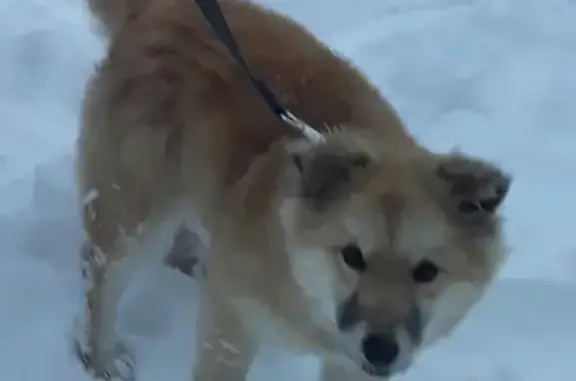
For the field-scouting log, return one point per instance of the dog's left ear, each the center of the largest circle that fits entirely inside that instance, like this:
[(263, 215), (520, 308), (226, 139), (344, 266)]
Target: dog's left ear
[(328, 174), (477, 188)]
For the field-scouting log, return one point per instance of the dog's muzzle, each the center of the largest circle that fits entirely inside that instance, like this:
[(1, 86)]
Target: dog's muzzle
[(380, 352), (384, 353)]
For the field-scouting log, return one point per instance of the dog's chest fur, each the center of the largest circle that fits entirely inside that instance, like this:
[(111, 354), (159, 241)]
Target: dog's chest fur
[(315, 309), (312, 272)]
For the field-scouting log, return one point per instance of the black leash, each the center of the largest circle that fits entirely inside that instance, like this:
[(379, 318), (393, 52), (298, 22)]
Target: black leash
[(214, 16)]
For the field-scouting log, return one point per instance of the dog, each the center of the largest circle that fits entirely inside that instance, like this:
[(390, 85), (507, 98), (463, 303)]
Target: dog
[(346, 248)]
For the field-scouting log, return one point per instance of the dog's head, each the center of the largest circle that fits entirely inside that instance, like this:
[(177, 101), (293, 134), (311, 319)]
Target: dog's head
[(379, 239)]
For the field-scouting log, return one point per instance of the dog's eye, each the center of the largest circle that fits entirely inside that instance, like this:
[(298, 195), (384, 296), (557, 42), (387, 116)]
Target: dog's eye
[(354, 257), (425, 272)]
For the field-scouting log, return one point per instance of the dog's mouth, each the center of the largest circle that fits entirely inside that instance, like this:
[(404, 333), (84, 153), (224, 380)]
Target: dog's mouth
[(351, 359), (386, 355), (381, 372), (384, 372)]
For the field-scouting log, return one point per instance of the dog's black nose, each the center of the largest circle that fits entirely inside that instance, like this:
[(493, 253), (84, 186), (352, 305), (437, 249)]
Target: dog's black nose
[(380, 350)]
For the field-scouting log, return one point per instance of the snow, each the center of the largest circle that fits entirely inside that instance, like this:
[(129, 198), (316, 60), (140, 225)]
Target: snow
[(493, 77)]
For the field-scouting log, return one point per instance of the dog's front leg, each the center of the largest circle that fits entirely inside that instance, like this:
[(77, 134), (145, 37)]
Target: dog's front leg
[(224, 348)]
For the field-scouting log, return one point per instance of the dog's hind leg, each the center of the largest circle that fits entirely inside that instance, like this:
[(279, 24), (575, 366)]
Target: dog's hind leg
[(123, 234), (116, 219), (187, 253), (97, 344)]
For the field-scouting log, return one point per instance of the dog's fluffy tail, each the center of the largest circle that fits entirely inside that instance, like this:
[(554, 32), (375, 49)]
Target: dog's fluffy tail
[(112, 13)]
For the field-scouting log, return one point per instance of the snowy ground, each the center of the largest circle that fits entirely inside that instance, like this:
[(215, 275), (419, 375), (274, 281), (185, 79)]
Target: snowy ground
[(493, 77)]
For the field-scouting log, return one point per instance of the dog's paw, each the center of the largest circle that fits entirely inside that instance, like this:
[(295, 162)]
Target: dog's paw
[(117, 365)]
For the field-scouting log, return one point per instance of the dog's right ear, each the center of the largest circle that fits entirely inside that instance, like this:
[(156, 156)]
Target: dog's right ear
[(327, 173), (477, 188)]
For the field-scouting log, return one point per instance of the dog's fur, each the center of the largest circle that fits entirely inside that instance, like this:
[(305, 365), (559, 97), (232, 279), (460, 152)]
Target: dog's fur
[(173, 132)]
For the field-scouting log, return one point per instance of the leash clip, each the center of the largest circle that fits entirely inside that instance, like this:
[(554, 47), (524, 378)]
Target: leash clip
[(214, 16)]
